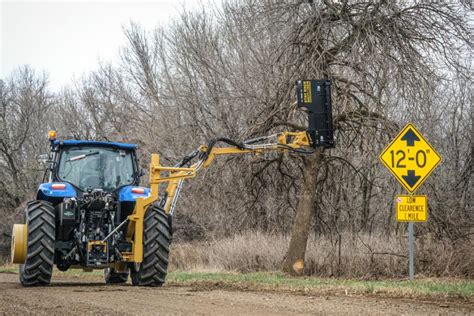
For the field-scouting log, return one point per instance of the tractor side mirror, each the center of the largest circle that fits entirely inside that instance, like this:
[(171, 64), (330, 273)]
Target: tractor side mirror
[(42, 159)]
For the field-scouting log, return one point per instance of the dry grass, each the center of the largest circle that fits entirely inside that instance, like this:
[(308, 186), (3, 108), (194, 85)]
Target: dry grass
[(359, 256), (368, 257)]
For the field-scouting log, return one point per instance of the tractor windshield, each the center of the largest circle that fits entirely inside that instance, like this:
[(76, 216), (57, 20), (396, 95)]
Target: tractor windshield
[(92, 167)]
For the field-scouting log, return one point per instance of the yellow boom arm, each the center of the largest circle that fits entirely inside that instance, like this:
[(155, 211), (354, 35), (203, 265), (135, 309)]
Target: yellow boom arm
[(174, 176)]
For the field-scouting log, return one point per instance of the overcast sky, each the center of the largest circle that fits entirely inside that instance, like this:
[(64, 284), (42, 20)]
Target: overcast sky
[(67, 38)]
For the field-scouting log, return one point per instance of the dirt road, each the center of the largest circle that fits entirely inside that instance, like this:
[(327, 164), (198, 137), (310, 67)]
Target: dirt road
[(86, 296)]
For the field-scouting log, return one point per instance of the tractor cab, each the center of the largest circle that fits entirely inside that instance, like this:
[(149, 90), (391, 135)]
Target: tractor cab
[(91, 165), (81, 167)]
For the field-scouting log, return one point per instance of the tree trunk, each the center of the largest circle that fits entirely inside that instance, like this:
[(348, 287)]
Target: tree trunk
[(294, 259)]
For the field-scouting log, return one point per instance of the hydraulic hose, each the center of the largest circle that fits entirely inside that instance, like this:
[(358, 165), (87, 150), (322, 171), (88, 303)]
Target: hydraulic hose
[(213, 142)]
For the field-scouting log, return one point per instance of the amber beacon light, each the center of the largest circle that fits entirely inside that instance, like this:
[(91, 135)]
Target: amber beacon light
[(52, 135)]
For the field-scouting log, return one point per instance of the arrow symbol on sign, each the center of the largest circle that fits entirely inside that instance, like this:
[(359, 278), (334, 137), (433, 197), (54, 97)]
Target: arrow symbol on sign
[(410, 137), (411, 179)]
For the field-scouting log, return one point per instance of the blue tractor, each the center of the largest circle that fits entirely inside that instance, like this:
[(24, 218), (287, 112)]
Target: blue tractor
[(89, 189)]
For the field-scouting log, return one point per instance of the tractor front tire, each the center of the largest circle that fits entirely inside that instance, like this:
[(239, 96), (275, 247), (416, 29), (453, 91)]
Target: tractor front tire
[(156, 242), (38, 266), (112, 277)]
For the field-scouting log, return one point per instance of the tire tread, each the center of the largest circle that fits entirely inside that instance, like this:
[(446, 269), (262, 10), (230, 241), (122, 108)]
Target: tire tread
[(38, 266), (156, 243)]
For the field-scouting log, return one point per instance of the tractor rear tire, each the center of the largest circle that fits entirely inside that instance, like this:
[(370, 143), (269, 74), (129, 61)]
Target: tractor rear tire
[(38, 266), (112, 277), (156, 242)]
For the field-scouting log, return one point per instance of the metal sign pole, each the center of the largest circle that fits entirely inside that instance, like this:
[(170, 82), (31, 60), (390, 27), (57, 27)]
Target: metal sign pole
[(411, 255)]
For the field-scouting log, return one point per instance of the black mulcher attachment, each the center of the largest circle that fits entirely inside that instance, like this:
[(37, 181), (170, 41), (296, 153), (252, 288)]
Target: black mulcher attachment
[(315, 97)]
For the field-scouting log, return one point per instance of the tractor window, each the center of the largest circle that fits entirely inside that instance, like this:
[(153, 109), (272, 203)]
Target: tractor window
[(96, 167)]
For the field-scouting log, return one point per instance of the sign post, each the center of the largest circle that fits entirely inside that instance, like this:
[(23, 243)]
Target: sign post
[(411, 159), (411, 208), (411, 251)]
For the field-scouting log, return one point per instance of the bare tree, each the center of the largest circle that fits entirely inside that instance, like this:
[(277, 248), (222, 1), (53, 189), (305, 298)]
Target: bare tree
[(365, 48), (25, 105)]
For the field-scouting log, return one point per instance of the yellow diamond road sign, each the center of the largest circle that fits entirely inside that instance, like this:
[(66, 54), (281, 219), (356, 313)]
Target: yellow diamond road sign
[(410, 158)]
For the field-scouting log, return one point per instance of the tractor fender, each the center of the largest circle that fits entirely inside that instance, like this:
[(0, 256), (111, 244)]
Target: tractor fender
[(130, 193), (55, 192)]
